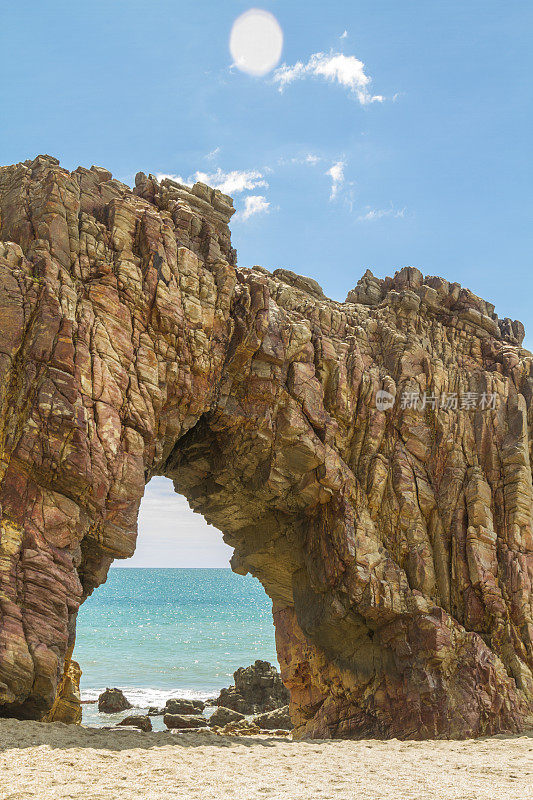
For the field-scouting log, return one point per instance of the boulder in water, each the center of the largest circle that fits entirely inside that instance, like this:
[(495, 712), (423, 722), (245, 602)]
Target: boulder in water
[(112, 701), (258, 688), (177, 705)]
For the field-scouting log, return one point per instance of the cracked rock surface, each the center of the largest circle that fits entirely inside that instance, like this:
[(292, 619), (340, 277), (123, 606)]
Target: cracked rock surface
[(396, 544), (257, 689)]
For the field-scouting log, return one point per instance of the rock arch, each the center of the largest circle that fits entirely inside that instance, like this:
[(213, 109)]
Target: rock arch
[(395, 543)]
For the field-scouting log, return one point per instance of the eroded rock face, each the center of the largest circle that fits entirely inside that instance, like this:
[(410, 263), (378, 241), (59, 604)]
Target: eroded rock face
[(395, 542)]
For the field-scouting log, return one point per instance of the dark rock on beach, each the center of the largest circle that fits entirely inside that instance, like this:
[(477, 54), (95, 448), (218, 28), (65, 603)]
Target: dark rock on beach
[(112, 701), (222, 716), (279, 719), (258, 688), (137, 721), (179, 721)]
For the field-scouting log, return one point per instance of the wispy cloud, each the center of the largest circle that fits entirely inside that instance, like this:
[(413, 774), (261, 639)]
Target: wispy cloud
[(253, 204), (378, 213), (336, 173), (212, 154), (233, 182), (306, 159), (348, 71)]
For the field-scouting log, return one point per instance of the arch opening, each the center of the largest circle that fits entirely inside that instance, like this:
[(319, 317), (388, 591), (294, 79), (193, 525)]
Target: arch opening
[(173, 620)]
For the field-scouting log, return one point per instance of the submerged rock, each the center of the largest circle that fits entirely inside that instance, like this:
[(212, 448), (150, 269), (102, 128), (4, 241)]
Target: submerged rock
[(257, 688), (137, 721), (112, 701), (179, 721)]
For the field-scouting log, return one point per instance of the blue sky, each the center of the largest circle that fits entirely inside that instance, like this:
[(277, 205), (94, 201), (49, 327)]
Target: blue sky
[(437, 174)]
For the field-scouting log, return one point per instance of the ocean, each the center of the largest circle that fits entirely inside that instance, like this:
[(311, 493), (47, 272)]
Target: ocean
[(160, 633)]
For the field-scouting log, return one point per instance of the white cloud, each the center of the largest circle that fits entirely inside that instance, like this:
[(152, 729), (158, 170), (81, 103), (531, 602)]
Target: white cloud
[(348, 71), (285, 74), (336, 173), (344, 35), (378, 213), (253, 204), (230, 183), (163, 176), (309, 158)]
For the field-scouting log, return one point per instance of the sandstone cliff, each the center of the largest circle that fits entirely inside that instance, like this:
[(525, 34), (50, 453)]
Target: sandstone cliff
[(395, 539)]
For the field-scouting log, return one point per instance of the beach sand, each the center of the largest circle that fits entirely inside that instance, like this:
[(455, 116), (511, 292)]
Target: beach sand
[(48, 761)]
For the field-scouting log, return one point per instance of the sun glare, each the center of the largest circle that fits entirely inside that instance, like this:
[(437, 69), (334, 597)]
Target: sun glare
[(256, 41)]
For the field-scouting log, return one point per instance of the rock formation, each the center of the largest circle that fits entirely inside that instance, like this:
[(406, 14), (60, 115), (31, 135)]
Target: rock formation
[(181, 721), (257, 688), (176, 705), (222, 716), (67, 704), (278, 719), (137, 721), (112, 701), (394, 538)]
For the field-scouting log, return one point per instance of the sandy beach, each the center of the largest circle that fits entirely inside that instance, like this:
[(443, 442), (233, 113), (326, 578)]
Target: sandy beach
[(49, 761)]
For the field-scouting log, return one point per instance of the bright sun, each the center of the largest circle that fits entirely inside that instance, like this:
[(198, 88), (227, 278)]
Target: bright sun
[(255, 42)]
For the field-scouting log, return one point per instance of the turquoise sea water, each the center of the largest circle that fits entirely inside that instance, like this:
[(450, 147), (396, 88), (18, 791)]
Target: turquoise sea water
[(160, 633)]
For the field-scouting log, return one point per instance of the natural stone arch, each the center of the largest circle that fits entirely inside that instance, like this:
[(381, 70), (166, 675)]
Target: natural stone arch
[(395, 544)]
